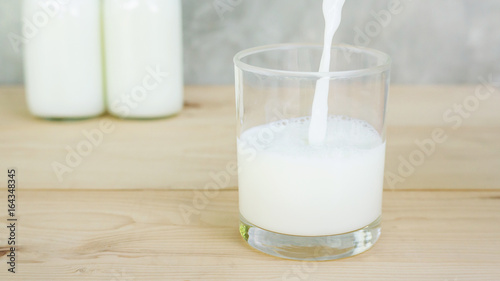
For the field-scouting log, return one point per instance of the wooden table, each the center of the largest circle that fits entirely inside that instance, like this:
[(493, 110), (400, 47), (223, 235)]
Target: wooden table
[(135, 208)]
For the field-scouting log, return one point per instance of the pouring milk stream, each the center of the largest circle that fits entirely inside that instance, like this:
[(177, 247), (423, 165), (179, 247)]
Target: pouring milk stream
[(332, 12)]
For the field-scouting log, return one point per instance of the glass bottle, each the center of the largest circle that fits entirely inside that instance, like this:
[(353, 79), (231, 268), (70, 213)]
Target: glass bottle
[(62, 58), (143, 54)]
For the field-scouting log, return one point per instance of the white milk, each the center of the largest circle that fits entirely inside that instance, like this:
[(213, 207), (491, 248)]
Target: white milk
[(332, 12), (143, 50), (290, 187), (62, 58)]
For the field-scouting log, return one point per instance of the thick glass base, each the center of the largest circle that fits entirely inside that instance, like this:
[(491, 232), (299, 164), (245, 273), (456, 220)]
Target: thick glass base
[(310, 248)]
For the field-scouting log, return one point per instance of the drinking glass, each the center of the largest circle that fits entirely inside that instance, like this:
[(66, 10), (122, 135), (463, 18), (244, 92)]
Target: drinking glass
[(303, 200)]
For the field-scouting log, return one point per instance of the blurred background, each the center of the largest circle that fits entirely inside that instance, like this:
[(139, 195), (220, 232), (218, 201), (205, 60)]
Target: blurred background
[(431, 41)]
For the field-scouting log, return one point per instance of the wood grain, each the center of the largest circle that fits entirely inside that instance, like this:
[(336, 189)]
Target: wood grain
[(181, 152), (141, 235)]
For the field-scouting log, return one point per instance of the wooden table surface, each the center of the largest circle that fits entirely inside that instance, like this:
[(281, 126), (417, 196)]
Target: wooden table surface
[(135, 208)]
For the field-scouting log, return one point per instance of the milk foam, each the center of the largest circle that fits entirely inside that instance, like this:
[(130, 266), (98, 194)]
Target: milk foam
[(344, 137)]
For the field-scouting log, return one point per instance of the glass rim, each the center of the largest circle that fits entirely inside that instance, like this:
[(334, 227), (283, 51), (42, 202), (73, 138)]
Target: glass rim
[(384, 66)]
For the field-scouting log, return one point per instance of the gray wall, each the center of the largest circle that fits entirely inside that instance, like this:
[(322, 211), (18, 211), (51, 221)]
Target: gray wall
[(431, 41)]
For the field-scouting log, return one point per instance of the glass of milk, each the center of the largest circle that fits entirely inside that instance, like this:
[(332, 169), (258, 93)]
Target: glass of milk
[(311, 192)]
